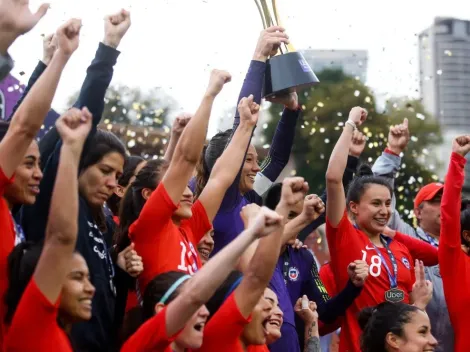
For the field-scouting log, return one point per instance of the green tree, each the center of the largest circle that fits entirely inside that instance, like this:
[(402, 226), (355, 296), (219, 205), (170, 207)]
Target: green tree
[(132, 106), (326, 107)]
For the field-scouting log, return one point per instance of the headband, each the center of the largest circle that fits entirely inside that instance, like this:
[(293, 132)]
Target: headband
[(173, 288)]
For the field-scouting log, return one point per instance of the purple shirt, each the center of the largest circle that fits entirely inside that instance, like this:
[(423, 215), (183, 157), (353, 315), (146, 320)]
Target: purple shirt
[(289, 340)]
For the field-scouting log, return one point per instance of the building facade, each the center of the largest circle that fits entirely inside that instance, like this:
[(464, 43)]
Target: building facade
[(444, 59), (352, 62)]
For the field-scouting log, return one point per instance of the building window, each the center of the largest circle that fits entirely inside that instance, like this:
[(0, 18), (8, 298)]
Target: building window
[(2, 106)]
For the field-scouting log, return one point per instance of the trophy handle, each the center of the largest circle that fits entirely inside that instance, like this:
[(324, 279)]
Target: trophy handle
[(261, 13), (290, 47)]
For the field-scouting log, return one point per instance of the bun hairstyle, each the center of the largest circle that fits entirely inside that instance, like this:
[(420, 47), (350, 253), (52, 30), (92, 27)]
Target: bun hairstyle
[(377, 322), (364, 178)]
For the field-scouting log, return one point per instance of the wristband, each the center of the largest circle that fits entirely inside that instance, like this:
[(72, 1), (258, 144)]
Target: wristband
[(389, 151), (352, 124)]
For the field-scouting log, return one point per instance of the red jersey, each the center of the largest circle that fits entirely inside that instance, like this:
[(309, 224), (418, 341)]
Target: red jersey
[(346, 244), (257, 348), (162, 245), (34, 326), (151, 336), (225, 328), (454, 263), (328, 279), (7, 242)]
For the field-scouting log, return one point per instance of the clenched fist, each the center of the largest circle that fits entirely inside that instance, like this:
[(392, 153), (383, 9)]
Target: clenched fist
[(217, 81), (358, 272)]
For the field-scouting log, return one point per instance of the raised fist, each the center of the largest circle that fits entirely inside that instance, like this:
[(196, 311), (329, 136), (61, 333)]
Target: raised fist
[(74, 126), (49, 45), (115, 27), (293, 191), (269, 42), (68, 36), (217, 81), (358, 143), (266, 222), (461, 145), (398, 137), (248, 213), (358, 115), (249, 111), (358, 272), (180, 123), (313, 207)]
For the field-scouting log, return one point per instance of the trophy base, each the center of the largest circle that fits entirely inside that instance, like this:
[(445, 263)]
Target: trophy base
[(287, 73)]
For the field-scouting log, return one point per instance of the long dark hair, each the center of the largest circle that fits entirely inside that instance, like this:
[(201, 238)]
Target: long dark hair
[(129, 168), (211, 153), (377, 322), (102, 143), (133, 202), (154, 292), (22, 262), (360, 184)]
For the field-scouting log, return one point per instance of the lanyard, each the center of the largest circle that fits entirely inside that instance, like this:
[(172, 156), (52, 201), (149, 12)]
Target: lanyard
[(285, 265), (393, 278), (425, 237), (19, 233)]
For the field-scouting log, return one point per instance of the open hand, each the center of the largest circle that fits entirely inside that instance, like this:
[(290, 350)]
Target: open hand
[(16, 18), (289, 100)]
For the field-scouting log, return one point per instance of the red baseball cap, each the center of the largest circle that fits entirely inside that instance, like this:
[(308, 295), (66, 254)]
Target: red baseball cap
[(428, 192)]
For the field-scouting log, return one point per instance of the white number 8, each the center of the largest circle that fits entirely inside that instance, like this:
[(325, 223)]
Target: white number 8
[(375, 266)]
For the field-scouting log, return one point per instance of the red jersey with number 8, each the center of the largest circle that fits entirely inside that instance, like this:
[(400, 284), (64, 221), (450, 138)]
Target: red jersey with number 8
[(162, 245), (347, 244)]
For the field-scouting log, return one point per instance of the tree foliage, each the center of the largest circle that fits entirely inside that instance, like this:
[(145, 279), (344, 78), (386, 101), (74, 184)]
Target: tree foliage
[(132, 106), (326, 108)]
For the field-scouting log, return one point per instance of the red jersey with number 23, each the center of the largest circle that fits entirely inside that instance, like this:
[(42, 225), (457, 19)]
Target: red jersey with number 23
[(347, 244), (162, 245)]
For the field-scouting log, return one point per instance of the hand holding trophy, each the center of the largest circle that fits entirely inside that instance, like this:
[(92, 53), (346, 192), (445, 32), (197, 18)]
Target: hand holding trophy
[(287, 72)]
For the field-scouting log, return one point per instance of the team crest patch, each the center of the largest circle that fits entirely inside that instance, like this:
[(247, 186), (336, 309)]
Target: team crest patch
[(405, 262), (293, 274)]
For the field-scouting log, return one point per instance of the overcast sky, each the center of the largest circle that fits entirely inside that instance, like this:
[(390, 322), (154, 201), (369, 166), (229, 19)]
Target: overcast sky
[(173, 44)]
